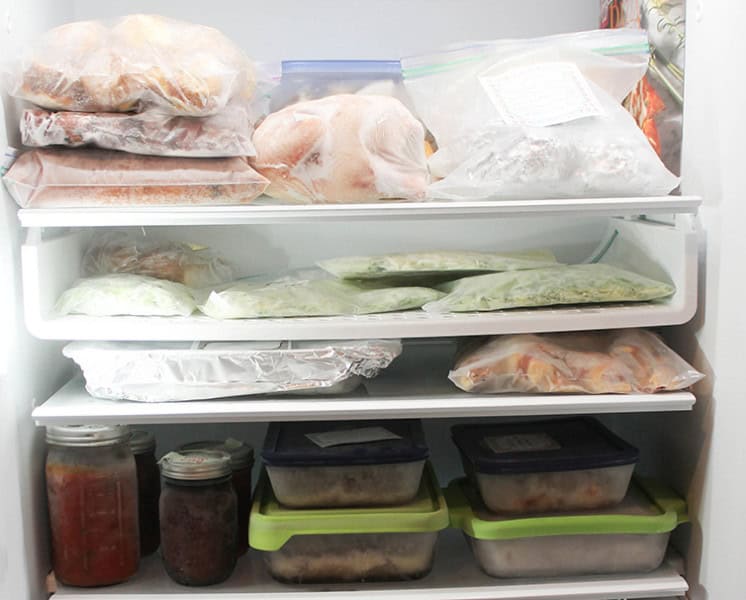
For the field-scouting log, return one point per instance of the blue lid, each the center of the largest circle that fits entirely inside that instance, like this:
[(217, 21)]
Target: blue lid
[(542, 446), (384, 69), (287, 444)]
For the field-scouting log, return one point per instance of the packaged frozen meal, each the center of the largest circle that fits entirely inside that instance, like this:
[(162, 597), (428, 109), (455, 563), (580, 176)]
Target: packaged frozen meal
[(174, 371), (311, 296), (342, 149), (126, 294), (118, 252), (137, 61), (61, 177), (537, 118), (453, 263), (564, 284), (349, 544), (544, 466), (630, 537), (625, 361), (151, 132), (341, 463)]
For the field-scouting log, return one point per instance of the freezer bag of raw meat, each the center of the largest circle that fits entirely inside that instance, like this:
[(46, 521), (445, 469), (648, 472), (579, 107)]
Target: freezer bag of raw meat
[(453, 263), (151, 132), (626, 361), (118, 252), (61, 177), (537, 118), (161, 372), (310, 295), (564, 284), (126, 294), (344, 148), (138, 61)]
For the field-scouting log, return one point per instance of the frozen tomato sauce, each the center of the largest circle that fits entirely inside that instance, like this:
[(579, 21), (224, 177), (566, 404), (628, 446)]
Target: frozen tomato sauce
[(93, 519)]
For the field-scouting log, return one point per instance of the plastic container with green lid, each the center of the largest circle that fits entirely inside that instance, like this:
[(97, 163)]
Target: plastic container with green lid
[(349, 544), (628, 538)]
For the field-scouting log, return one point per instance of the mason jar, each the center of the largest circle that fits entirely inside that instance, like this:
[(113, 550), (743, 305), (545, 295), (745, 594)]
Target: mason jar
[(92, 500), (198, 517), (242, 460), (142, 444)]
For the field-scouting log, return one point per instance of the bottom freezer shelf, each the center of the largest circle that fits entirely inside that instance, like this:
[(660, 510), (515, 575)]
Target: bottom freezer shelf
[(455, 576)]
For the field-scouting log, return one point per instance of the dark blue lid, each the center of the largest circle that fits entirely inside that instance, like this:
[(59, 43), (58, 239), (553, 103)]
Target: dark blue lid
[(539, 446), (384, 69), (286, 444)]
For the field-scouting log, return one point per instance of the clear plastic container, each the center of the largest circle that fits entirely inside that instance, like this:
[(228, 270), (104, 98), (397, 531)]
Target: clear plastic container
[(628, 538), (370, 463), (338, 545), (542, 466)]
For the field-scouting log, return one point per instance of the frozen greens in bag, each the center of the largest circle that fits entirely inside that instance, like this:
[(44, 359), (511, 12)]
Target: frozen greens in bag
[(313, 297), (564, 284), (436, 262)]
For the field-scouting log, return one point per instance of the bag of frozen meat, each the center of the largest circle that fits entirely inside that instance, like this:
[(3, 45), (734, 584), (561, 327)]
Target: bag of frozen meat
[(139, 61), (61, 177), (627, 361)]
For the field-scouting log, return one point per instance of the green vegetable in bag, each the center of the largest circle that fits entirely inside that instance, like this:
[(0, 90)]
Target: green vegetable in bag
[(311, 298), (565, 284), (437, 262)]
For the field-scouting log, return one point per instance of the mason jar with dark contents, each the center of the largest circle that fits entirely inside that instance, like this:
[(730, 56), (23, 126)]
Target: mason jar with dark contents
[(242, 460), (142, 444), (198, 517), (92, 498)]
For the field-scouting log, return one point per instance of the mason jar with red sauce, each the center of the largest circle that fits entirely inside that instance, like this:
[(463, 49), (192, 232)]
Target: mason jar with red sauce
[(92, 500), (142, 444), (242, 460)]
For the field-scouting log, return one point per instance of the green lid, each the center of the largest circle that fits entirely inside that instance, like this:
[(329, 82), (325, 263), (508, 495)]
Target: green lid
[(271, 524), (648, 508)]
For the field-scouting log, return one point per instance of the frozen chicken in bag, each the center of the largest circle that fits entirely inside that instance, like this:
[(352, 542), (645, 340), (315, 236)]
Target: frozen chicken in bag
[(626, 361), (140, 61), (537, 118), (83, 177), (343, 148)]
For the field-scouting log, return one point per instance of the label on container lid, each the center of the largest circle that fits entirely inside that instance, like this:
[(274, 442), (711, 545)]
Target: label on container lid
[(351, 436), (540, 95), (521, 442)]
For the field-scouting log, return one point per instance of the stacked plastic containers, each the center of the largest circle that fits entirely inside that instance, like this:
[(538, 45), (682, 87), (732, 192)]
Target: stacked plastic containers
[(340, 502), (557, 498)]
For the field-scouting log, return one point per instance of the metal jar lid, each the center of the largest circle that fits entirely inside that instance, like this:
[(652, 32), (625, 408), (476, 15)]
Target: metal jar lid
[(142, 441), (242, 455), (87, 435), (195, 465)]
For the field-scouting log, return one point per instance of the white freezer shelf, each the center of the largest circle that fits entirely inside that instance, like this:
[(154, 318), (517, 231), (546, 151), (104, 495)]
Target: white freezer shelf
[(388, 397), (455, 576), (266, 212)]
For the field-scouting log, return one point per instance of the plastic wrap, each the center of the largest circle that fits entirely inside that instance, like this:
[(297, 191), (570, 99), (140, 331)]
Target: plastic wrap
[(125, 294), (566, 284), (297, 296), (119, 253), (153, 133), (49, 177), (344, 148), (537, 118), (139, 61), (160, 372), (627, 361), (440, 262)]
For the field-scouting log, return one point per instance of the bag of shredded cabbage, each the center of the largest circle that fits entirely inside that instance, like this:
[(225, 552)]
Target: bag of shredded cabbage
[(312, 297), (564, 284), (440, 262), (126, 294)]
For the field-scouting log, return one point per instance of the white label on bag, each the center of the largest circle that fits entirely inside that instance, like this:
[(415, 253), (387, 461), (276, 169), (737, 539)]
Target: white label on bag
[(521, 442), (541, 95), (351, 436)]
